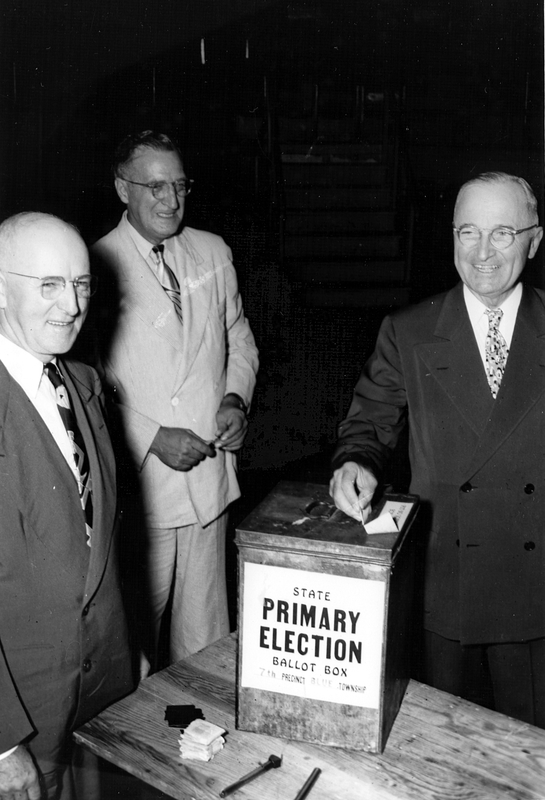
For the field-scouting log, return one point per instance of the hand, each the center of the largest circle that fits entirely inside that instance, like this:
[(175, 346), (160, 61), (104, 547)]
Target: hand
[(18, 777), (352, 488), (232, 426), (180, 448)]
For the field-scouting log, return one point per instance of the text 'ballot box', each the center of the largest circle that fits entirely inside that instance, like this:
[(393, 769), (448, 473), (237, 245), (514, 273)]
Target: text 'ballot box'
[(323, 618)]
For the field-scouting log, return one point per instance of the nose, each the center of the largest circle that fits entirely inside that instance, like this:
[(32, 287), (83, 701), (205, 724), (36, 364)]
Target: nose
[(69, 300), (171, 199), (485, 248)]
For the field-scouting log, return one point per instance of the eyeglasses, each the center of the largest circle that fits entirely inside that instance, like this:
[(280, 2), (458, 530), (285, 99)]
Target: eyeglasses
[(501, 238), (161, 190), (53, 286)]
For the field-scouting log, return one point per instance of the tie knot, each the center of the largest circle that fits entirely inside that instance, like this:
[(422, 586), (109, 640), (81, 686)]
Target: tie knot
[(53, 374), (158, 250), (494, 316)]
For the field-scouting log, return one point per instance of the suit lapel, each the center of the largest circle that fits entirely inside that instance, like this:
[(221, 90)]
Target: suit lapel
[(141, 291), (196, 296), (456, 364), (35, 440), (93, 429), (523, 383), (454, 360)]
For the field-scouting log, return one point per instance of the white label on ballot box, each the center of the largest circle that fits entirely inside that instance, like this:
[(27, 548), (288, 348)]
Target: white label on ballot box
[(312, 635)]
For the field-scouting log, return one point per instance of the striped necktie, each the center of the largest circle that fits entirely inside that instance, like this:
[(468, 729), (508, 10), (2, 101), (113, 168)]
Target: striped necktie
[(496, 350), (168, 279), (81, 459)]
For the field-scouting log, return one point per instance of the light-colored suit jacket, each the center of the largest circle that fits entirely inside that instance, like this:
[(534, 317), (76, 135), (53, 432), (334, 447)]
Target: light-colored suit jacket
[(167, 374), (63, 642), (478, 464)]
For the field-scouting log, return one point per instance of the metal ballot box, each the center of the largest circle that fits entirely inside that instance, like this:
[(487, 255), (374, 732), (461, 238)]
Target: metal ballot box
[(323, 618)]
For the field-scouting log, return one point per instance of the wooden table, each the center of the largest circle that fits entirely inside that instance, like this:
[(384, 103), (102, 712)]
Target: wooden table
[(440, 747)]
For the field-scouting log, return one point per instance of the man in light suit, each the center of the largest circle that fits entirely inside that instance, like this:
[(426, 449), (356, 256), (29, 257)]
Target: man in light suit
[(475, 405), (63, 640), (181, 360)]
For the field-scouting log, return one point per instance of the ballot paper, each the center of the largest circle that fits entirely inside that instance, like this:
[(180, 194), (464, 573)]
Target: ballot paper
[(201, 740), (393, 516), (385, 523)]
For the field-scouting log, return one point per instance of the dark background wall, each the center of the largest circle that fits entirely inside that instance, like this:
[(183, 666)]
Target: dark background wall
[(77, 76)]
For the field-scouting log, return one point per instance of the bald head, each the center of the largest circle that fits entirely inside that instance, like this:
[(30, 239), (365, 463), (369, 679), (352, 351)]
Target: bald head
[(15, 229), (35, 247)]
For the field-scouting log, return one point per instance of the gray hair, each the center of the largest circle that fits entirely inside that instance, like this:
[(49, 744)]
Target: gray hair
[(504, 177)]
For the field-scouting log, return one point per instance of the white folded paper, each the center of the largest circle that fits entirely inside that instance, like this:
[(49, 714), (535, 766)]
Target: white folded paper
[(383, 524), (201, 740)]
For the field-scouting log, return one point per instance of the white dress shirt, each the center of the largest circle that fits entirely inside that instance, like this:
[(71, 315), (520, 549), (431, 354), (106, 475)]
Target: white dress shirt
[(145, 249), (28, 371), (479, 318)]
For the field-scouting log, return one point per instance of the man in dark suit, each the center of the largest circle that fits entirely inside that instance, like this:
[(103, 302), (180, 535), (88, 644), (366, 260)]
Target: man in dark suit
[(63, 643), (473, 395)]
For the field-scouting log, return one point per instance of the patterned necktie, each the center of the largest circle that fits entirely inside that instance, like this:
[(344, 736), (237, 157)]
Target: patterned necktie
[(168, 280), (496, 350), (81, 459)]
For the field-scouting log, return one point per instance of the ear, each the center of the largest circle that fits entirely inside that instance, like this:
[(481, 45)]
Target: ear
[(537, 237), (121, 190)]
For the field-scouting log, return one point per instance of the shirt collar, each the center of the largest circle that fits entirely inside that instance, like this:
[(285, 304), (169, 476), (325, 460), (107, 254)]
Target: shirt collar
[(23, 367), (142, 245), (510, 306)]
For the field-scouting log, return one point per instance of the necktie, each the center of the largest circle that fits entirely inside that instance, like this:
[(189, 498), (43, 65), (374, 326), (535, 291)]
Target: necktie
[(168, 280), (496, 350), (80, 453)]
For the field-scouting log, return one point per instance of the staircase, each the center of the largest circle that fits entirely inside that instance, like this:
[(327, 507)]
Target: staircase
[(347, 227)]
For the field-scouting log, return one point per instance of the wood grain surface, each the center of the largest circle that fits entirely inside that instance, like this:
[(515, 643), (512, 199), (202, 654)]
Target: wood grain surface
[(440, 747)]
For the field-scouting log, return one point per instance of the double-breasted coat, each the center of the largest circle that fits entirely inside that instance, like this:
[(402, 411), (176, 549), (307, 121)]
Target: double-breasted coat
[(477, 464)]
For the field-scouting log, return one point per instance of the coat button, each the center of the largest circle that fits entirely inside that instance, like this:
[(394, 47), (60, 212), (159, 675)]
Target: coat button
[(529, 488), (87, 665), (175, 401), (529, 545), (466, 487)]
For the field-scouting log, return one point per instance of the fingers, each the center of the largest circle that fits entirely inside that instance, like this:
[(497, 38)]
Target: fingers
[(180, 449), (34, 792), (352, 488), (191, 450), (18, 777), (231, 429)]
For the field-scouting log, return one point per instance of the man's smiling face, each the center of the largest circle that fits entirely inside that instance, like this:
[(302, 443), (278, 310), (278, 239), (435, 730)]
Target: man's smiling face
[(489, 273), (44, 328), (154, 219)]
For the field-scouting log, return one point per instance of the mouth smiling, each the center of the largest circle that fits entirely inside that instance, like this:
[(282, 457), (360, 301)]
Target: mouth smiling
[(486, 267)]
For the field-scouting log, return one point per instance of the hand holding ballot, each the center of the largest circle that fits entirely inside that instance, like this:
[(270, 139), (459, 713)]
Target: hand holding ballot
[(352, 488)]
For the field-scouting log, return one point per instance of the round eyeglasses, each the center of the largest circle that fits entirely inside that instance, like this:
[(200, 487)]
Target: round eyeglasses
[(161, 190), (53, 286), (501, 238)]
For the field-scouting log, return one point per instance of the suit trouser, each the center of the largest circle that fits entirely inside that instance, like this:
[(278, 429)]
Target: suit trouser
[(187, 566), (78, 779), (515, 673)]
